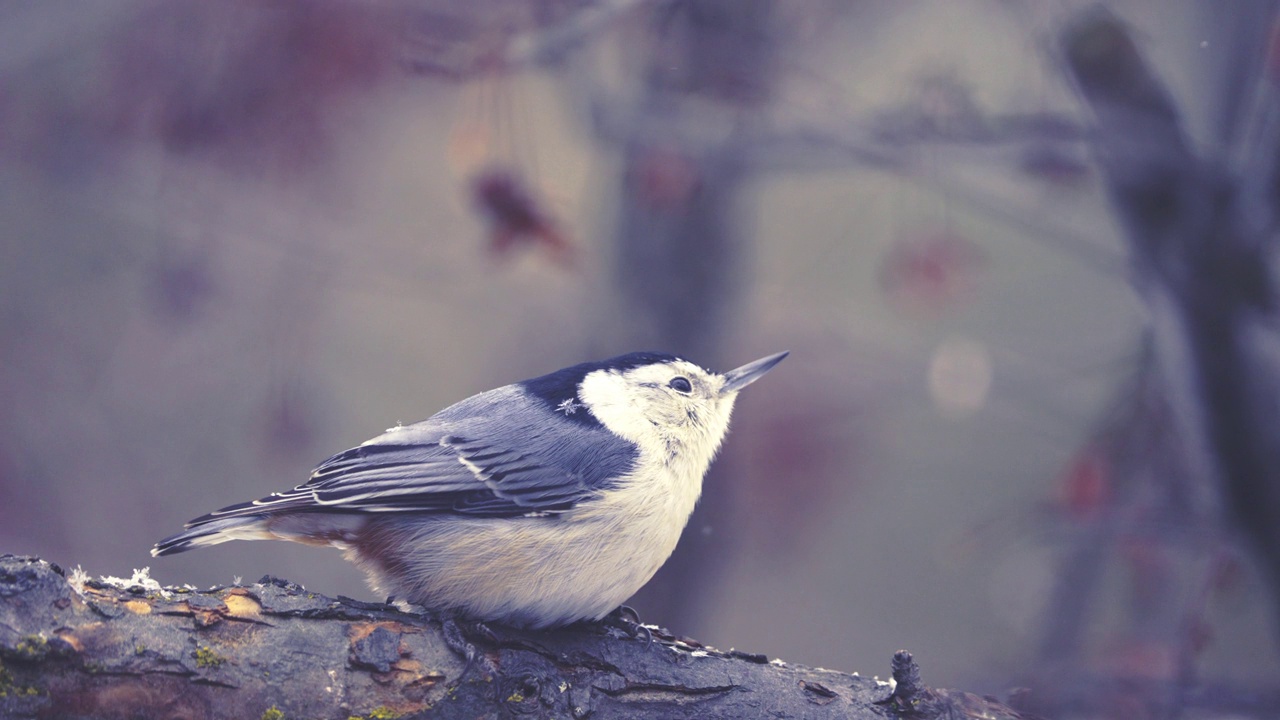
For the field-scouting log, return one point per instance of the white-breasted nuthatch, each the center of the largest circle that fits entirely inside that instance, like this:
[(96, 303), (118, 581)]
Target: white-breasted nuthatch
[(540, 503)]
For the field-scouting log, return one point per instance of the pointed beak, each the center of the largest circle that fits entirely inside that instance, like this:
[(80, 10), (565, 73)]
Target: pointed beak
[(735, 380)]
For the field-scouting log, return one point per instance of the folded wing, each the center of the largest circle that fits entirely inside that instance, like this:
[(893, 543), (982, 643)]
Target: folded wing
[(463, 463)]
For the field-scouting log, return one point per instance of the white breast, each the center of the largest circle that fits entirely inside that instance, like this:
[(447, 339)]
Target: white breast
[(535, 571)]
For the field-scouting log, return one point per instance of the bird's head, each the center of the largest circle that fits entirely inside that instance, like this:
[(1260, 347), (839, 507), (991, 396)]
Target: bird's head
[(666, 404)]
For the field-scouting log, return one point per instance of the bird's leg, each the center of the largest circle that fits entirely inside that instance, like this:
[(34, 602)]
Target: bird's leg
[(451, 628), (626, 619)]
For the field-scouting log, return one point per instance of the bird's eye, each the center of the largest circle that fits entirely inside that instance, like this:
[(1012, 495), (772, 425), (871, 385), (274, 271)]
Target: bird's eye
[(680, 384)]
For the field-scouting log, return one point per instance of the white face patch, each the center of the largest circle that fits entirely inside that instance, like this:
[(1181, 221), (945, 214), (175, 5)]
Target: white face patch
[(612, 401), (641, 405)]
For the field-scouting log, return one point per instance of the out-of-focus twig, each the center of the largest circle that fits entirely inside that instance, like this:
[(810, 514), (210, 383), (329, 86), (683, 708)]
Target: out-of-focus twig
[(460, 42), (815, 149)]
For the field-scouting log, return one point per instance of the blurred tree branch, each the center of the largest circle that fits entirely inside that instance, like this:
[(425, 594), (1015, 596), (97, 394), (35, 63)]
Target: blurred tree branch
[(1203, 271), (1194, 443)]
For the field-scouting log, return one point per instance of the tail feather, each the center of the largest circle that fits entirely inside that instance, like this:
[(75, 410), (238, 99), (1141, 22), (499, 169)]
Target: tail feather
[(212, 533), (312, 528)]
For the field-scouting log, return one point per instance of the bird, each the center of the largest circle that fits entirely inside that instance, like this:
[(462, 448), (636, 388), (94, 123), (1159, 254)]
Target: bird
[(538, 504)]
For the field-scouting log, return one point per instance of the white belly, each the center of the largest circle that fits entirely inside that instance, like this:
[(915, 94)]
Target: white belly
[(530, 571)]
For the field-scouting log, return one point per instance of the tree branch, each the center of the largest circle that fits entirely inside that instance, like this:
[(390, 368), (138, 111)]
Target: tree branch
[(84, 648)]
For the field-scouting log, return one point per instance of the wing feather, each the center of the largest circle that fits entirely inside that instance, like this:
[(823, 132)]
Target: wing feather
[(469, 460)]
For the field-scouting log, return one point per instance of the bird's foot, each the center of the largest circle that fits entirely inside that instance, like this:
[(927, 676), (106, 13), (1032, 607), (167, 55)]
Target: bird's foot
[(627, 620), (455, 633)]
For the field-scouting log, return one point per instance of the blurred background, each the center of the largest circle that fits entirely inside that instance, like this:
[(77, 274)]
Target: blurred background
[(238, 237)]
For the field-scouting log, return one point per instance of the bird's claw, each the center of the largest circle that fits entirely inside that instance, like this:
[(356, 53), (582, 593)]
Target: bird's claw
[(627, 620)]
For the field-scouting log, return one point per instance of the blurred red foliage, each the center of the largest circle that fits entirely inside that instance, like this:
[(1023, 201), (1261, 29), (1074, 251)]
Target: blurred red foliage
[(516, 217), (932, 271)]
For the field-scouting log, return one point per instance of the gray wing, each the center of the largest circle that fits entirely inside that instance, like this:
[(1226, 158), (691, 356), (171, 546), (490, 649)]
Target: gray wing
[(497, 454)]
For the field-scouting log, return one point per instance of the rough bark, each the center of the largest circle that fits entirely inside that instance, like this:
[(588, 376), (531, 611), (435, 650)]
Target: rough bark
[(131, 649)]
